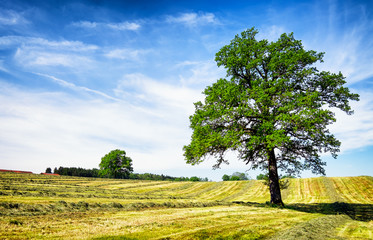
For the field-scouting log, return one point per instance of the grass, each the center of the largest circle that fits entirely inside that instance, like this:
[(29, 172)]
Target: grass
[(61, 207)]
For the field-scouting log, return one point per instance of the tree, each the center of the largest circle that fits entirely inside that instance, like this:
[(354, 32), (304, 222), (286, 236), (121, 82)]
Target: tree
[(262, 177), (235, 178), (195, 179), (48, 170), (226, 177), (241, 176), (116, 164), (273, 110)]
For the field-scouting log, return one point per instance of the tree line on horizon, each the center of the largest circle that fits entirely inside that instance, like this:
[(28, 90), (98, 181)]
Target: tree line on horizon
[(82, 172)]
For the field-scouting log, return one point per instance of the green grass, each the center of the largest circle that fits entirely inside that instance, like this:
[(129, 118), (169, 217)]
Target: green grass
[(61, 207)]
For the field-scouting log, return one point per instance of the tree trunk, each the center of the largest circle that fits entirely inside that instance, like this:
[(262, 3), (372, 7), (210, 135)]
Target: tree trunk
[(274, 185)]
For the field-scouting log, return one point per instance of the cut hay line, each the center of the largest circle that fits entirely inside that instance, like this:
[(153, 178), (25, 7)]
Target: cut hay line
[(331, 191), (154, 188), (342, 187), (203, 187), (243, 188), (356, 230), (257, 192), (319, 228), (359, 189), (220, 191)]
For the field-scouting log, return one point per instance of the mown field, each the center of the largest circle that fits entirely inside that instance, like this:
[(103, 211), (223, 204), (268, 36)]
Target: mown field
[(59, 207)]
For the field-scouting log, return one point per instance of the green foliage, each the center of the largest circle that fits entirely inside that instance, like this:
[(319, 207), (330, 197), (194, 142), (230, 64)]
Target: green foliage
[(194, 179), (262, 177), (273, 108), (234, 178), (237, 176), (48, 170), (226, 177), (241, 176), (151, 176), (78, 172), (283, 182), (82, 172), (116, 164)]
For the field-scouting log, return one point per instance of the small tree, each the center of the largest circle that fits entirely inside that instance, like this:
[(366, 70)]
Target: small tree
[(241, 176), (274, 109), (262, 177), (116, 164), (226, 177), (48, 170), (194, 179), (235, 178)]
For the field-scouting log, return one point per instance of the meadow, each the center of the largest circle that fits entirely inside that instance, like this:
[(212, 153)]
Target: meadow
[(61, 207)]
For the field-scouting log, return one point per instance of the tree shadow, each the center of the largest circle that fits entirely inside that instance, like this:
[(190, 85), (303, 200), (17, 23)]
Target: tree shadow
[(356, 211)]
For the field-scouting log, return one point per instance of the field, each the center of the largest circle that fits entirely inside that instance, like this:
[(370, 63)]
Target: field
[(60, 207)]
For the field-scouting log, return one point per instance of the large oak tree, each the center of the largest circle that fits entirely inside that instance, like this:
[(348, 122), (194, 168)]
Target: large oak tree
[(274, 108)]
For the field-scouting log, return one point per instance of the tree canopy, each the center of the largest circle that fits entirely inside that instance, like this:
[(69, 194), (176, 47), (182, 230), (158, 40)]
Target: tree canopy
[(273, 108), (116, 164), (236, 176)]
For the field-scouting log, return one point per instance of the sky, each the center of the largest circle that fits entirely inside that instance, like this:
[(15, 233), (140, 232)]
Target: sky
[(81, 78)]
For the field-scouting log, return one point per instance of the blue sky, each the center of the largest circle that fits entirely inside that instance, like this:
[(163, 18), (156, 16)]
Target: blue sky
[(81, 78)]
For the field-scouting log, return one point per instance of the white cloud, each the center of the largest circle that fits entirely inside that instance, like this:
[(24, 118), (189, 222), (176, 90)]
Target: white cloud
[(355, 131), (2, 67), (42, 52), (193, 19), (72, 86), (121, 26), (32, 57), (178, 99), (10, 18), (200, 73), (41, 43), (85, 24), (124, 26), (348, 54), (271, 33), (126, 54), (347, 47)]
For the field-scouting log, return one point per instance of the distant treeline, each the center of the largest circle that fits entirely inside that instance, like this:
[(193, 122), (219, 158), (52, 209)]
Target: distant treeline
[(81, 172), (73, 171)]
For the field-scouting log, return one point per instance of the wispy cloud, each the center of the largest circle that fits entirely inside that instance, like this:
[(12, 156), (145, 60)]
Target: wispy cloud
[(2, 67), (356, 131), (42, 43), (85, 24), (346, 40), (158, 94), (193, 19), (31, 51), (124, 26), (121, 26), (9, 17), (74, 87), (33, 57), (126, 54), (200, 73), (271, 33)]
